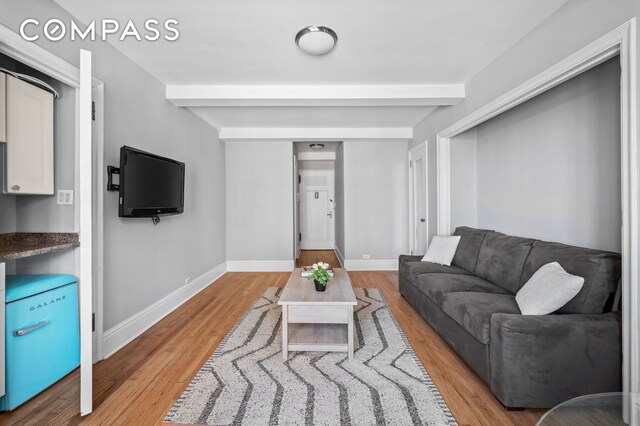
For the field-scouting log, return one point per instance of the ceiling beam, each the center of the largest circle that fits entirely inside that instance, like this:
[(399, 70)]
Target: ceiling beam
[(288, 95), (240, 134)]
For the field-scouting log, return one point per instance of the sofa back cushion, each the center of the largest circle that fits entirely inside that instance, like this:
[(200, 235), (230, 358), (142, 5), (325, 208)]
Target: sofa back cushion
[(501, 259), (466, 256), (600, 269)]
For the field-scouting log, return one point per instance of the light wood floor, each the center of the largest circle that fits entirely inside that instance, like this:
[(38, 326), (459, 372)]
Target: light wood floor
[(139, 384), (309, 257)]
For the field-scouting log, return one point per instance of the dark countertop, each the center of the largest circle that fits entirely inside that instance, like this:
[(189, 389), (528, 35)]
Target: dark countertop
[(18, 245)]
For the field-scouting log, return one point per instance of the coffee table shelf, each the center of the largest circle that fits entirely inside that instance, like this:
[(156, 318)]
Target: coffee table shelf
[(318, 337)]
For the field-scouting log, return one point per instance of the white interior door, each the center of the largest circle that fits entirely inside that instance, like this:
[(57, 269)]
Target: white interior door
[(418, 171), (317, 222), (83, 98)]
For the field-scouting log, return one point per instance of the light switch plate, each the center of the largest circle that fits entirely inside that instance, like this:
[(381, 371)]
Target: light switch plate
[(65, 196)]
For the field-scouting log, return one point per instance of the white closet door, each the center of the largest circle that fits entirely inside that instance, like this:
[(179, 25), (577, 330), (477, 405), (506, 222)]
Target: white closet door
[(83, 99), (29, 138)]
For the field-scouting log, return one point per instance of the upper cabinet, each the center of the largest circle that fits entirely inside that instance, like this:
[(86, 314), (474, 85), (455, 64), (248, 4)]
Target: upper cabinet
[(29, 137)]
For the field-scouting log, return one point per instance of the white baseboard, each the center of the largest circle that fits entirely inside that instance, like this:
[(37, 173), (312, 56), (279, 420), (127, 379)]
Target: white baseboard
[(118, 336), (260, 265), (371, 265), (339, 255)]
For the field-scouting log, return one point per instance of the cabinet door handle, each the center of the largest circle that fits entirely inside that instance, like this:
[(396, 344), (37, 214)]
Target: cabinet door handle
[(15, 187), (28, 330)]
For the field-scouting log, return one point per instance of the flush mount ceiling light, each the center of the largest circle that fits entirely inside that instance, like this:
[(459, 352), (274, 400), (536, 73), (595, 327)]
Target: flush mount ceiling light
[(316, 40), (317, 146)]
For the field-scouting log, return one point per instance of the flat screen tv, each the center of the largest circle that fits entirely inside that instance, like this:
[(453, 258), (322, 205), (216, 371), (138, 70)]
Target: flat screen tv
[(150, 185)]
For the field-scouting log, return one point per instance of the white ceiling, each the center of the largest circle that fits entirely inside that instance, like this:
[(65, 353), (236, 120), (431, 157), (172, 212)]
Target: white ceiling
[(394, 63), (379, 42)]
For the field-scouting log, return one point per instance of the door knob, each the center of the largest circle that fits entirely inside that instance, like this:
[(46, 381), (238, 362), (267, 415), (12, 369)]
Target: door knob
[(422, 219), (15, 187)]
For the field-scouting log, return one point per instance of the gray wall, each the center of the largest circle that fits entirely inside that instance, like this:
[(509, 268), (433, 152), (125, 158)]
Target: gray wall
[(259, 202), (376, 199), (144, 263), (340, 202), (572, 27), (550, 168), (464, 179)]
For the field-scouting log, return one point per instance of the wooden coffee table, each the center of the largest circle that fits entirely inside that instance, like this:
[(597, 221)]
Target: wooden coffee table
[(317, 321)]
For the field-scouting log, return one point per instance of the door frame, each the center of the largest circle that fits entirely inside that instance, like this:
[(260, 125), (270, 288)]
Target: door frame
[(332, 173), (620, 41), (412, 204), (87, 255)]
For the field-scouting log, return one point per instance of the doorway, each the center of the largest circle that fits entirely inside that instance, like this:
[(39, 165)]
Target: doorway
[(317, 219), (418, 229)]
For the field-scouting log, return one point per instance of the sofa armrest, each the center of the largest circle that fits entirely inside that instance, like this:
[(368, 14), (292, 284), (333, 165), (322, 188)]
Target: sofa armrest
[(542, 360), (409, 258)]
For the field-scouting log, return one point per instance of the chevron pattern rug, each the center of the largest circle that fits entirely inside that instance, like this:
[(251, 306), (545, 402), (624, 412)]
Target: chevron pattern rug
[(246, 382)]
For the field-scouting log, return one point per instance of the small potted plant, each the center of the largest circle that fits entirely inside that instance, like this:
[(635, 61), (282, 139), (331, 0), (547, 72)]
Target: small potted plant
[(320, 276)]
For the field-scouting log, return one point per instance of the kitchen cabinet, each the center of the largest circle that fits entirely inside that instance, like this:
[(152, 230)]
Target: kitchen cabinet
[(29, 138)]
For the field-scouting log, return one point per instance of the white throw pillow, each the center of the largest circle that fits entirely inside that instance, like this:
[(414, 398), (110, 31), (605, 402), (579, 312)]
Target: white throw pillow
[(548, 290), (442, 249)]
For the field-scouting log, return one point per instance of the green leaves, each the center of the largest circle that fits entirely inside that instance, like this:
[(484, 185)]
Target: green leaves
[(321, 275)]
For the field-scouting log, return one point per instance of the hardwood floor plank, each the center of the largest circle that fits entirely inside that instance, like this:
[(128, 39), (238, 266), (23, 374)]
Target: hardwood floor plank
[(139, 384), (309, 257)]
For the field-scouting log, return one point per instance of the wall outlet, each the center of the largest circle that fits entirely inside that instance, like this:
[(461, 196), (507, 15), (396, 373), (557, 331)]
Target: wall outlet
[(365, 256), (187, 280), (65, 196)]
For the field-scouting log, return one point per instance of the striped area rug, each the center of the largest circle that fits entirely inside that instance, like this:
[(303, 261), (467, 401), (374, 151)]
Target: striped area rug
[(246, 382)]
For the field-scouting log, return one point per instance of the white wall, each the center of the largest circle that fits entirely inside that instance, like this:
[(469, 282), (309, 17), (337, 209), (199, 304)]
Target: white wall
[(464, 179), (144, 263), (550, 168), (376, 202), (572, 27), (259, 201)]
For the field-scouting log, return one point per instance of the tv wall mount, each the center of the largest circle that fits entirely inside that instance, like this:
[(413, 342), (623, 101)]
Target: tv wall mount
[(112, 170)]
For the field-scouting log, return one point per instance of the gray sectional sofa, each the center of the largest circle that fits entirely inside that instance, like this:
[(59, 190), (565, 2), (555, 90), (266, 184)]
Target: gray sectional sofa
[(527, 360)]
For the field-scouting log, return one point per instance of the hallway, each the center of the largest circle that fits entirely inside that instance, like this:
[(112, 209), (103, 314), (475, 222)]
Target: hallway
[(309, 257)]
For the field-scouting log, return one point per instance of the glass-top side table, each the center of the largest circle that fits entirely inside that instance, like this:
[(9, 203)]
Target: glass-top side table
[(610, 409)]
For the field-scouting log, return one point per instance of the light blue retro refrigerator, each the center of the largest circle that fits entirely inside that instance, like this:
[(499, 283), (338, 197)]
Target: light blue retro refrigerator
[(42, 334)]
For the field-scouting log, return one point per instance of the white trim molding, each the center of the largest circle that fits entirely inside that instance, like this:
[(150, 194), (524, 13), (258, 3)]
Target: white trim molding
[(622, 41), (339, 255), (371, 265), (288, 134), (324, 95), (121, 334), (260, 265)]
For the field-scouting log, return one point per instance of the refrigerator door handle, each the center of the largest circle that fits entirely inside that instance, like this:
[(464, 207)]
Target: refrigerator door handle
[(23, 331)]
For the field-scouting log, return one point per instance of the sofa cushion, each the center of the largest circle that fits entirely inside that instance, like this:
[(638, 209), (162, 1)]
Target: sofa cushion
[(466, 255), (442, 249), (473, 311), (600, 269), (411, 270), (501, 259), (436, 286)]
